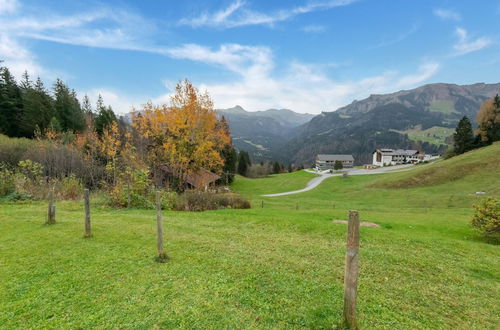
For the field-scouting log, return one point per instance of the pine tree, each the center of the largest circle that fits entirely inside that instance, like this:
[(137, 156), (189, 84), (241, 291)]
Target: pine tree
[(229, 155), (11, 105), (67, 108), (105, 116), (243, 163), (86, 106), (463, 137), (276, 168), (37, 107), (338, 165)]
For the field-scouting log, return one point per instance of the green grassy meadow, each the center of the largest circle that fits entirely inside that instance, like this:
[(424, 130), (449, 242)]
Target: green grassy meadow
[(280, 266)]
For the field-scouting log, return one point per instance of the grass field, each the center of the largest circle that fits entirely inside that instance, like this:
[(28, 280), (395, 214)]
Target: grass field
[(436, 135), (271, 267)]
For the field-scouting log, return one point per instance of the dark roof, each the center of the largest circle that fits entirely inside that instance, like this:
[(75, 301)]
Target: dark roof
[(326, 157)]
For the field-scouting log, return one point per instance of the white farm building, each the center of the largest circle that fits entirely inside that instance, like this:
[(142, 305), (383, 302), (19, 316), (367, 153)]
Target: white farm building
[(326, 162), (384, 157)]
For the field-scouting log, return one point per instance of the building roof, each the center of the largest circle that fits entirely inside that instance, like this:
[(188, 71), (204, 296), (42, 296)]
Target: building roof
[(325, 157), (398, 152), (201, 178), (198, 179)]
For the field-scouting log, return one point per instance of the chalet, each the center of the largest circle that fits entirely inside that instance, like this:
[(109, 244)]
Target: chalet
[(384, 157), (199, 180), (326, 162)]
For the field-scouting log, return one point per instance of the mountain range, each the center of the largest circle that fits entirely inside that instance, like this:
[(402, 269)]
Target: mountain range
[(423, 118)]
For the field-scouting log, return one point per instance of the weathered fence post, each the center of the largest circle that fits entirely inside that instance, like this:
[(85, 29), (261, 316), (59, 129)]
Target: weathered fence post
[(128, 194), (86, 199), (351, 270), (162, 256), (51, 211)]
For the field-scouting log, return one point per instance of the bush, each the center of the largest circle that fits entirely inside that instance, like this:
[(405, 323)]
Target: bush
[(7, 185), (202, 201), (70, 187), (487, 218), (141, 192)]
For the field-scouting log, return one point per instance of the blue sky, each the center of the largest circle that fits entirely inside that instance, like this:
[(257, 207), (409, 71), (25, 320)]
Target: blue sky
[(308, 56)]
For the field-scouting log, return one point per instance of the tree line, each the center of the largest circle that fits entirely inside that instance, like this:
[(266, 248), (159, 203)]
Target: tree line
[(29, 109)]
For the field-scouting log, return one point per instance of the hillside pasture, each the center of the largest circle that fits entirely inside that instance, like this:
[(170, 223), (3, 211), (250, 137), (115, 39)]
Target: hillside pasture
[(280, 266)]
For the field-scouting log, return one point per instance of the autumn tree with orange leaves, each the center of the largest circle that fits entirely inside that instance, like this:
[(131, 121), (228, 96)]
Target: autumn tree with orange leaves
[(184, 136)]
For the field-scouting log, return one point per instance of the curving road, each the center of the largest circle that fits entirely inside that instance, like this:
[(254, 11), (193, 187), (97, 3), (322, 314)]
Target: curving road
[(325, 175)]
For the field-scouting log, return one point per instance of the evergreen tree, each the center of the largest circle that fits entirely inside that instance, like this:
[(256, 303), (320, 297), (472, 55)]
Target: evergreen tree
[(229, 155), (338, 165), (86, 106), (11, 105), (37, 105), (67, 108), (243, 163), (463, 138), (105, 116), (276, 168), (290, 168)]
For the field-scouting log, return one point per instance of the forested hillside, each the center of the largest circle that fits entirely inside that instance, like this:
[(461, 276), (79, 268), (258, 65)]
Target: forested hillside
[(421, 118)]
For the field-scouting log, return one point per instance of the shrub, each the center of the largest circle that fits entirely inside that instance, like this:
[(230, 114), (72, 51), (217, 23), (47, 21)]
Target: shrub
[(486, 217), (7, 185), (139, 183), (70, 187), (202, 201), (168, 199)]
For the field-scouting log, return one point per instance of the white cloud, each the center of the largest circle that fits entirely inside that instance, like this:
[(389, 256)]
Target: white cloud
[(256, 86), (313, 28), (303, 87), (447, 14), (465, 45), (8, 6), (396, 39), (237, 14), (103, 27), (17, 57), (425, 71)]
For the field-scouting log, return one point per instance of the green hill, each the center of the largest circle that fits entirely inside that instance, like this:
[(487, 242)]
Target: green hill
[(478, 168), (277, 266)]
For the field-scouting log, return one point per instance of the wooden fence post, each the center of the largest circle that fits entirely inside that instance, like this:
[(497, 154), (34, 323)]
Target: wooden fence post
[(51, 211), (351, 271), (86, 198), (162, 256), (128, 194)]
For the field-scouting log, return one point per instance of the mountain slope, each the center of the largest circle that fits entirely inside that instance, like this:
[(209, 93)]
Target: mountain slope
[(262, 133), (398, 120)]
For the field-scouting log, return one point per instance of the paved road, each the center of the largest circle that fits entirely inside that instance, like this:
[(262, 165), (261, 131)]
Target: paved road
[(325, 175)]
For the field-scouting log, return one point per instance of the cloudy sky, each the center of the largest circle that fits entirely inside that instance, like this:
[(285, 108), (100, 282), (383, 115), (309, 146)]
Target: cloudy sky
[(308, 56)]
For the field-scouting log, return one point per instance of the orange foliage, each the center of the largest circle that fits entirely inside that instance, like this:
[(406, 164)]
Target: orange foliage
[(488, 119), (186, 135)]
